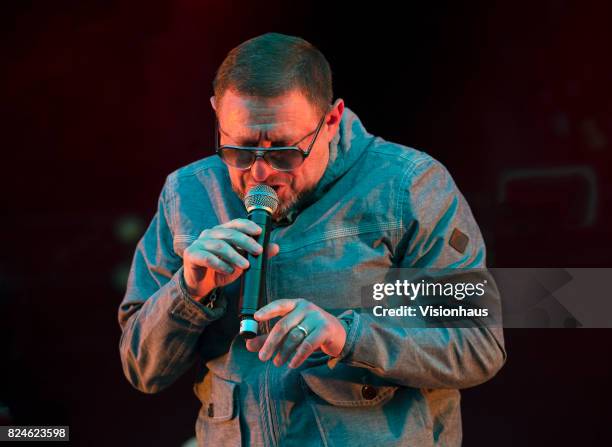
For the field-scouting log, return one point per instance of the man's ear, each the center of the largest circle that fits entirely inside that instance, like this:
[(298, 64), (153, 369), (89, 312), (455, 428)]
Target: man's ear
[(213, 103), (335, 116)]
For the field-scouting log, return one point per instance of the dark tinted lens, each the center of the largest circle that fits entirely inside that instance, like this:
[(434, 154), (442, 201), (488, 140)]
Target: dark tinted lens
[(237, 158), (284, 160)]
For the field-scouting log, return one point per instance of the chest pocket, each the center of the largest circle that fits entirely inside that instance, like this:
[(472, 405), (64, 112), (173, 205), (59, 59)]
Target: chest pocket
[(218, 422), (329, 273), (353, 403)]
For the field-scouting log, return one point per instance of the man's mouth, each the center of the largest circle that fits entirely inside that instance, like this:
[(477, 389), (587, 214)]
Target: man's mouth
[(275, 187)]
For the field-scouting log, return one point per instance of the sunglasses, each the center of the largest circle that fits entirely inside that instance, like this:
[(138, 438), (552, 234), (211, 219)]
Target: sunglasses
[(285, 158)]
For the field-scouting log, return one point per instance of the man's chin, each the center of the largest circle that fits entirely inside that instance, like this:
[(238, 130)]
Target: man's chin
[(288, 200), (285, 205), (295, 203)]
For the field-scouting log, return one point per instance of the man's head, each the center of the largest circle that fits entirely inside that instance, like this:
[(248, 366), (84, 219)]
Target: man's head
[(274, 90)]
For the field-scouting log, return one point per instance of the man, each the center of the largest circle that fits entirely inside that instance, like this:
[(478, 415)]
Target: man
[(322, 372)]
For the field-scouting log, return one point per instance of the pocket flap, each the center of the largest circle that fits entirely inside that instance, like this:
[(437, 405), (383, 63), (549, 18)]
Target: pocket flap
[(218, 397), (348, 386)]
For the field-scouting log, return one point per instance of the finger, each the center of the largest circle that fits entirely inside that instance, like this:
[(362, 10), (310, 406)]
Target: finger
[(276, 308), (244, 225), (278, 333), (255, 344), (309, 345), (224, 251), (208, 260), (296, 336), (289, 345), (273, 249), (235, 237)]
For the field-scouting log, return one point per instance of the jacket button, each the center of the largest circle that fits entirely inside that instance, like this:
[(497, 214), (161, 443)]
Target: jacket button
[(369, 392)]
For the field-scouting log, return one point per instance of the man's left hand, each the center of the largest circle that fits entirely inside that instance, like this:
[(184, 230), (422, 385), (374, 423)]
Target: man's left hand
[(303, 329)]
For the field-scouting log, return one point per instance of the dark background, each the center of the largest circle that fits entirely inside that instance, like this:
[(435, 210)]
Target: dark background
[(102, 99)]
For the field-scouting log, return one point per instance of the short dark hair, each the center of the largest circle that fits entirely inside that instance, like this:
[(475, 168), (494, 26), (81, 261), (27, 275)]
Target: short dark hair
[(273, 64)]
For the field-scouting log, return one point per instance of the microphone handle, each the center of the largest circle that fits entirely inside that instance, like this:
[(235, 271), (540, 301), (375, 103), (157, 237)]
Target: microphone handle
[(253, 279)]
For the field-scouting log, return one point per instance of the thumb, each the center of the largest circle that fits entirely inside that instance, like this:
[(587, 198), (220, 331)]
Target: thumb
[(255, 344), (273, 249)]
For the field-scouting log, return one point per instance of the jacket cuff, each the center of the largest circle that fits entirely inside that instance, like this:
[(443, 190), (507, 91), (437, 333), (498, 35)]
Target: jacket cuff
[(354, 321), (187, 308)]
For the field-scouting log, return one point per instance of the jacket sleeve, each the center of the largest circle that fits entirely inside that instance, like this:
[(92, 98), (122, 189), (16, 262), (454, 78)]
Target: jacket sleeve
[(160, 322), (426, 357)]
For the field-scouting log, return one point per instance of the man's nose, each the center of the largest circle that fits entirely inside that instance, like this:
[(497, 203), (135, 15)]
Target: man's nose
[(261, 170)]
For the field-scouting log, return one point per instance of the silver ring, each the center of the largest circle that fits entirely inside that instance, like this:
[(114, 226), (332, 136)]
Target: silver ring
[(303, 329)]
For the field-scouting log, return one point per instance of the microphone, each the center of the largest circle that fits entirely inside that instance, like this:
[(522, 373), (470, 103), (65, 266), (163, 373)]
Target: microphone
[(260, 201)]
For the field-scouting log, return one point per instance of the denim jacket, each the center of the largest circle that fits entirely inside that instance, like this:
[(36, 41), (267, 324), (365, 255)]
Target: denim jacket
[(378, 206)]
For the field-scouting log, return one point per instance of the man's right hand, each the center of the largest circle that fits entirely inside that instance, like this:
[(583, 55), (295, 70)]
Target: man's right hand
[(214, 259)]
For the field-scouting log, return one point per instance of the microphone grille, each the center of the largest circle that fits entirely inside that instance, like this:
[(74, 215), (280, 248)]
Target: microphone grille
[(261, 197)]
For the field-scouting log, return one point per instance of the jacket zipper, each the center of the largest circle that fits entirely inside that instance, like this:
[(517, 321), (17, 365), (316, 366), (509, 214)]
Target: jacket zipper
[(271, 418), (267, 374)]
